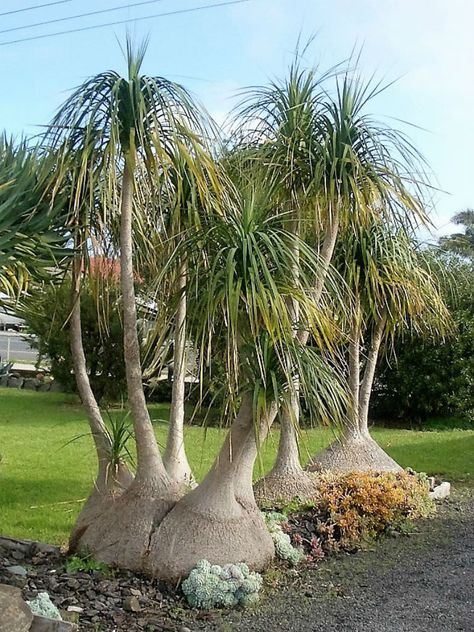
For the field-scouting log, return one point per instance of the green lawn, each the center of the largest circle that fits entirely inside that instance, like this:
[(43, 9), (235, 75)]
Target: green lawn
[(44, 476)]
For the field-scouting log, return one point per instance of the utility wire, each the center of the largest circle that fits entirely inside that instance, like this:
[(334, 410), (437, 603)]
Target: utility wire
[(36, 6), (146, 17), (80, 15)]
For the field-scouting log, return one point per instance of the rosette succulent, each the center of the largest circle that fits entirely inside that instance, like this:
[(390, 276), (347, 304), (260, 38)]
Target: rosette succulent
[(213, 586), (283, 547), (43, 606)]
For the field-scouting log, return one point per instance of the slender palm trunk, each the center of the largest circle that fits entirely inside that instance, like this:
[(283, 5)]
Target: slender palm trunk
[(149, 461), (175, 458), (369, 373), (98, 429), (287, 478), (355, 450), (287, 461), (352, 429), (110, 481)]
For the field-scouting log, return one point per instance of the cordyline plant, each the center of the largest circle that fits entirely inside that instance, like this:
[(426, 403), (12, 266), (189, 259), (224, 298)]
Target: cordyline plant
[(332, 160), (116, 129), (392, 288)]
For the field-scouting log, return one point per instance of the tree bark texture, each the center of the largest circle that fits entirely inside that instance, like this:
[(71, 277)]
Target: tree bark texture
[(355, 450), (219, 520), (174, 458), (110, 481)]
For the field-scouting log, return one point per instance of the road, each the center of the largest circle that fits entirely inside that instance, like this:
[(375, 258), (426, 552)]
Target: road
[(14, 347)]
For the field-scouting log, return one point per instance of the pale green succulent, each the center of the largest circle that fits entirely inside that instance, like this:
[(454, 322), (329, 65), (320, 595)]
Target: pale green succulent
[(281, 540), (43, 606), (213, 586)]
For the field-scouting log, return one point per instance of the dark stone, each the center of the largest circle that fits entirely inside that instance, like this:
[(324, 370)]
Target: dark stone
[(15, 382), (73, 583), (31, 383), (46, 549)]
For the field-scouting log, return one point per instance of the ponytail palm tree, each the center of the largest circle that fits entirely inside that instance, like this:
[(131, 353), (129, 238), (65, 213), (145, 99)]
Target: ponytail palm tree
[(391, 289), (188, 202), (117, 126), (332, 160), (238, 299)]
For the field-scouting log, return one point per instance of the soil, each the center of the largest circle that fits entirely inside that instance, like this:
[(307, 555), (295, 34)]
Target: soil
[(423, 582)]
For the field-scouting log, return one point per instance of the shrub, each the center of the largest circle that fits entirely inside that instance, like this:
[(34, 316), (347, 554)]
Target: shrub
[(354, 509), (443, 383), (46, 311), (213, 586)]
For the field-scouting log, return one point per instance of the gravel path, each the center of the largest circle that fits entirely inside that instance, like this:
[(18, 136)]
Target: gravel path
[(421, 583)]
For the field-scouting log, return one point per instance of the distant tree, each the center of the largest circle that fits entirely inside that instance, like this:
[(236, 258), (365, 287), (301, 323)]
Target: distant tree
[(47, 312), (426, 378), (461, 243)]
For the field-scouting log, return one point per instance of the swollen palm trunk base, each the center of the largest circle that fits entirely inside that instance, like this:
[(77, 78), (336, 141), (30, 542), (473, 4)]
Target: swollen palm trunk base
[(107, 489), (219, 520), (121, 535), (287, 479), (284, 486), (357, 453), (216, 528)]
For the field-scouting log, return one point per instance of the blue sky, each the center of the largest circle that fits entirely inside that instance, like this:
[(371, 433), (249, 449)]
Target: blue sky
[(427, 45)]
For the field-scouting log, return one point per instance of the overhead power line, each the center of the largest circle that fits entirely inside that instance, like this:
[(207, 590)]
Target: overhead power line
[(80, 15), (36, 6), (146, 17)]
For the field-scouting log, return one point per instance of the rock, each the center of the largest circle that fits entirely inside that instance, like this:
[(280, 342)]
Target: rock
[(70, 617), (135, 592), (15, 382), (73, 583), (77, 609), (441, 491), (43, 624), (14, 613), (131, 604), (46, 549), (18, 581), (31, 383), (9, 545), (17, 570)]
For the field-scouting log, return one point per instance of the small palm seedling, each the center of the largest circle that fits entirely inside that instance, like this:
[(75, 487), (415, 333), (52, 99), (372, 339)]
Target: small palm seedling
[(119, 431)]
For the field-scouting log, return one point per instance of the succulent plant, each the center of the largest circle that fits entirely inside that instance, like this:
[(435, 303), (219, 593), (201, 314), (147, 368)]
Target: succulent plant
[(43, 606), (213, 586), (283, 547)]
